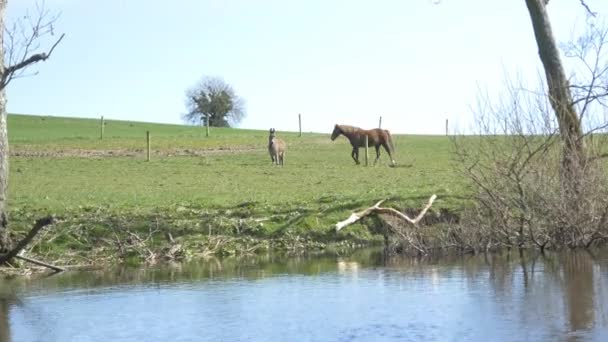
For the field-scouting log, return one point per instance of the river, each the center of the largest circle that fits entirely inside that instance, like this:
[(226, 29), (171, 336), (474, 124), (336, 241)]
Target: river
[(359, 297)]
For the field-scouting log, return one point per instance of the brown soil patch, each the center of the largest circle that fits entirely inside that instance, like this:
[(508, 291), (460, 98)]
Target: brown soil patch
[(179, 152)]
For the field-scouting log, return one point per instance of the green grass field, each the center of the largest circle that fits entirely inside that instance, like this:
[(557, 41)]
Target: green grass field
[(228, 168), (60, 166)]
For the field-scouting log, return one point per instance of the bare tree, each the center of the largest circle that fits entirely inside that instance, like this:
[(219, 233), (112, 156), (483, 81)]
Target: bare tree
[(20, 48), (574, 154), (560, 97), (515, 164)]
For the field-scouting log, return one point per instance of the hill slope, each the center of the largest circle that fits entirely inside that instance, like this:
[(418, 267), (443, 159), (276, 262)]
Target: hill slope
[(60, 165)]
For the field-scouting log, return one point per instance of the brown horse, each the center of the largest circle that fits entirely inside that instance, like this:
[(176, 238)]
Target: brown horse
[(376, 137), (276, 148)]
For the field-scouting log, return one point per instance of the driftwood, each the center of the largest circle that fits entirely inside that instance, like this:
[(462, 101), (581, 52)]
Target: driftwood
[(376, 209)]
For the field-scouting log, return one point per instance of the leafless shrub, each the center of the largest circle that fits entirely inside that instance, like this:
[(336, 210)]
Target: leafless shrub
[(513, 162)]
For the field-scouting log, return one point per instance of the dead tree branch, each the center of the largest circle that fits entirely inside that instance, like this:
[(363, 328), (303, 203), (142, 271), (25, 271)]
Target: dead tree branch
[(10, 71), (40, 223), (43, 56), (588, 9), (22, 47), (40, 263), (354, 217), (376, 209)]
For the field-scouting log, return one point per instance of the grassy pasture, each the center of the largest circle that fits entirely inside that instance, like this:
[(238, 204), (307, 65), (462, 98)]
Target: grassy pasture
[(224, 170), (59, 165)]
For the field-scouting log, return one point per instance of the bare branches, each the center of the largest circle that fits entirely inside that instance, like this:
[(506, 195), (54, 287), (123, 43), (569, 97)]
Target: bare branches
[(22, 43), (515, 166), (10, 71), (590, 78), (584, 4), (588, 9), (589, 84), (354, 217)]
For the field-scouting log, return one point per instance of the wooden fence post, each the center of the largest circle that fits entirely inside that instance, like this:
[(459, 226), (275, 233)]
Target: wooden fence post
[(380, 122), (102, 128), (148, 145), (366, 148), (300, 123), (446, 127), (207, 134)]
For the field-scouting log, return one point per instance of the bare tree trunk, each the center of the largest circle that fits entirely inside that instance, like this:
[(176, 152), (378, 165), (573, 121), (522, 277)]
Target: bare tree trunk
[(13, 62), (573, 154), (4, 236)]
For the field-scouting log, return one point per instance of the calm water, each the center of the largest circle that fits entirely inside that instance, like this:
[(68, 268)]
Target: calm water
[(559, 297)]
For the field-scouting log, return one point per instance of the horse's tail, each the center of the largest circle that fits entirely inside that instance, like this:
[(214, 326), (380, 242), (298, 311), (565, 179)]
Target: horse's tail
[(390, 140)]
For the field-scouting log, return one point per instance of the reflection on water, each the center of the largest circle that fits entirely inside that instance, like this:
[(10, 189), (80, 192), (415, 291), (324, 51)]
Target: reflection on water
[(578, 283), (359, 297), (4, 320)]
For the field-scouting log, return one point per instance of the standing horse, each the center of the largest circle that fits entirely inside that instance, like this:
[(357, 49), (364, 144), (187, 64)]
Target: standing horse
[(375, 137), (276, 148)]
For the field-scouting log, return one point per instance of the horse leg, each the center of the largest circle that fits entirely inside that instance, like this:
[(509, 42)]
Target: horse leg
[(377, 154), (388, 150), (355, 155), (282, 158)]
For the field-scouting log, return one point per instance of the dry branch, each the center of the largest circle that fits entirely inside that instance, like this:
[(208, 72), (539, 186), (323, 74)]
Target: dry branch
[(354, 217), (40, 263), (40, 223), (43, 56), (588, 9), (22, 42)]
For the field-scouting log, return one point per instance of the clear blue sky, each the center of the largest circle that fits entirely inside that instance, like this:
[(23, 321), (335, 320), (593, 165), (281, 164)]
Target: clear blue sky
[(412, 62)]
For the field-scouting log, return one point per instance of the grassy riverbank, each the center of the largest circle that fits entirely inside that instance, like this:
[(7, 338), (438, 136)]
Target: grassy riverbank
[(203, 191)]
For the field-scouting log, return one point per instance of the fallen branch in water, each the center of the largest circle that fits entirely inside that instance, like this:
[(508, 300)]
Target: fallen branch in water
[(40, 263), (354, 217)]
